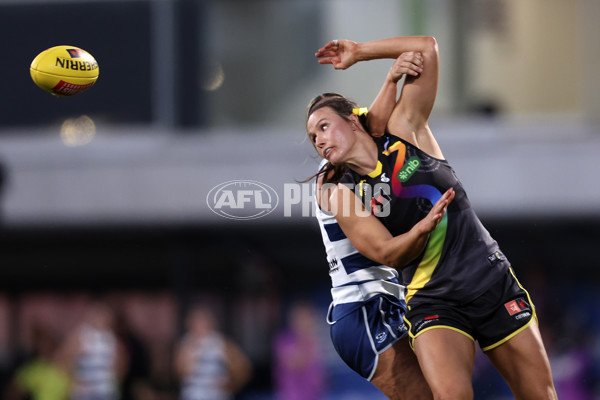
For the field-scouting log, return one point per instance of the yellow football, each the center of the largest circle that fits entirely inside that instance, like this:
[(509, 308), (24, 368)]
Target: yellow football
[(64, 70)]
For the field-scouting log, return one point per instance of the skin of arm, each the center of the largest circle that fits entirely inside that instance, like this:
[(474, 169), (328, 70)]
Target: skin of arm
[(409, 119), (409, 63), (239, 366)]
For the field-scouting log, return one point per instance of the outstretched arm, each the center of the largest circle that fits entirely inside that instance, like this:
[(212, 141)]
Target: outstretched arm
[(344, 53)]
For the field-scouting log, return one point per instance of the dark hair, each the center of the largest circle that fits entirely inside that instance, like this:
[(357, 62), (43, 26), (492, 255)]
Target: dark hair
[(343, 107)]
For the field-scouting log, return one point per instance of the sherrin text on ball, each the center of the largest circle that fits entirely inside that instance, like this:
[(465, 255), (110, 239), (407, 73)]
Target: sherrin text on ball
[(64, 70)]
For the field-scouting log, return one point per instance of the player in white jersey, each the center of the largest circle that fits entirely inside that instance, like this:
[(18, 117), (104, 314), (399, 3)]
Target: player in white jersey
[(94, 356), (210, 366)]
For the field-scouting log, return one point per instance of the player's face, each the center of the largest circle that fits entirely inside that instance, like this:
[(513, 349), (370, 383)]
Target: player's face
[(331, 134)]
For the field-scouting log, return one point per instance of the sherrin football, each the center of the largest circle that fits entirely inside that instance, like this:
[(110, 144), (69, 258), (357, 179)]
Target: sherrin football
[(64, 70)]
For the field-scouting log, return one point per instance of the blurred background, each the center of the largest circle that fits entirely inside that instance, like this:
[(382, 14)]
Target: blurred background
[(103, 196)]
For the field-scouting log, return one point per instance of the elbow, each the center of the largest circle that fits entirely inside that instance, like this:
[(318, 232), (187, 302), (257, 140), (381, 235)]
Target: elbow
[(399, 261), (391, 258), (430, 45), (394, 263)]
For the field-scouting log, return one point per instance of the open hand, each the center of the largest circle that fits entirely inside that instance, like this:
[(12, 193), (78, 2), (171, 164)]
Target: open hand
[(437, 212), (339, 53)]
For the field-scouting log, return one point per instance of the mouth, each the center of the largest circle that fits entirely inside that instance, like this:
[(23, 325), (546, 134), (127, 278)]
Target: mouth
[(327, 151)]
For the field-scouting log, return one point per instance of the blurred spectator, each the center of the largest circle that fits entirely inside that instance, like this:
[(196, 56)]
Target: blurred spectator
[(40, 377), (299, 370), (94, 356), (209, 365)]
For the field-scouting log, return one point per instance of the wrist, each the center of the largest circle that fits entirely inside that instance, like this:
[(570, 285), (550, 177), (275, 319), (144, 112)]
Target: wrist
[(360, 51), (393, 78)]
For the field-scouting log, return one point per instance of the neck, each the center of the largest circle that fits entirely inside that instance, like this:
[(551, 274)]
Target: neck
[(364, 155)]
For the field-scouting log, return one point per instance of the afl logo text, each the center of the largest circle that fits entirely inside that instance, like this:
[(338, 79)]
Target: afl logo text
[(242, 199)]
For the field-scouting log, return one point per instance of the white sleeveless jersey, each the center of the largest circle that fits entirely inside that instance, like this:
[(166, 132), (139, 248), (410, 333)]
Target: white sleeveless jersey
[(209, 376), (354, 277), (95, 366)]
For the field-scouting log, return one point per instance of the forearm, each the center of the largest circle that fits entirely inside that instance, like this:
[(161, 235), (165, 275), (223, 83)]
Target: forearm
[(400, 250), (239, 366), (393, 47), (382, 107)]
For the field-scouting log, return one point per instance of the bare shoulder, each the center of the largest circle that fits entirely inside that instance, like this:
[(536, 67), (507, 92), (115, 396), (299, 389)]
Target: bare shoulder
[(424, 140)]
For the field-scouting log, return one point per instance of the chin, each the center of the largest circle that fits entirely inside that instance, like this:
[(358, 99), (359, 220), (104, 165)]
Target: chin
[(332, 160)]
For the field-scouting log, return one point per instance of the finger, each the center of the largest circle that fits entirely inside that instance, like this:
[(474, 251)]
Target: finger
[(441, 203), (411, 56), (406, 67), (325, 53), (418, 68), (442, 207), (325, 61), (329, 46), (413, 70)]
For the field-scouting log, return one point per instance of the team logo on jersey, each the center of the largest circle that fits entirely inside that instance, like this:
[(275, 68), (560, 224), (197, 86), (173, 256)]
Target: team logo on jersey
[(242, 199), (380, 337), (408, 169), (333, 265), (384, 178)]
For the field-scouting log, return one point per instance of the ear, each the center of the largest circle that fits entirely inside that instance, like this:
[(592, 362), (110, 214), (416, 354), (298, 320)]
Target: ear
[(355, 121)]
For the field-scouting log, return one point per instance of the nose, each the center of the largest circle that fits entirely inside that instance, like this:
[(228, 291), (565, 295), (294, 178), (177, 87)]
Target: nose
[(319, 140)]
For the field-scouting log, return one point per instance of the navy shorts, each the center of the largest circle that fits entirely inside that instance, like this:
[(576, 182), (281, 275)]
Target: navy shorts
[(360, 336), (491, 319)]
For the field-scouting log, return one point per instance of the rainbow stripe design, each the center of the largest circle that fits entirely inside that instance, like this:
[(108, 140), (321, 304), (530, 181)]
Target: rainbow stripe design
[(433, 251)]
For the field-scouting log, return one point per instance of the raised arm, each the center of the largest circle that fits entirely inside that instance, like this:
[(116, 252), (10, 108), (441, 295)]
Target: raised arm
[(409, 119), (344, 53), (408, 63)]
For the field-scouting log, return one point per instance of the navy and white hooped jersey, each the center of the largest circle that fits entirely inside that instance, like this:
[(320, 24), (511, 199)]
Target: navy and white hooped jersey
[(354, 277), (209, 376), (95, 375)]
